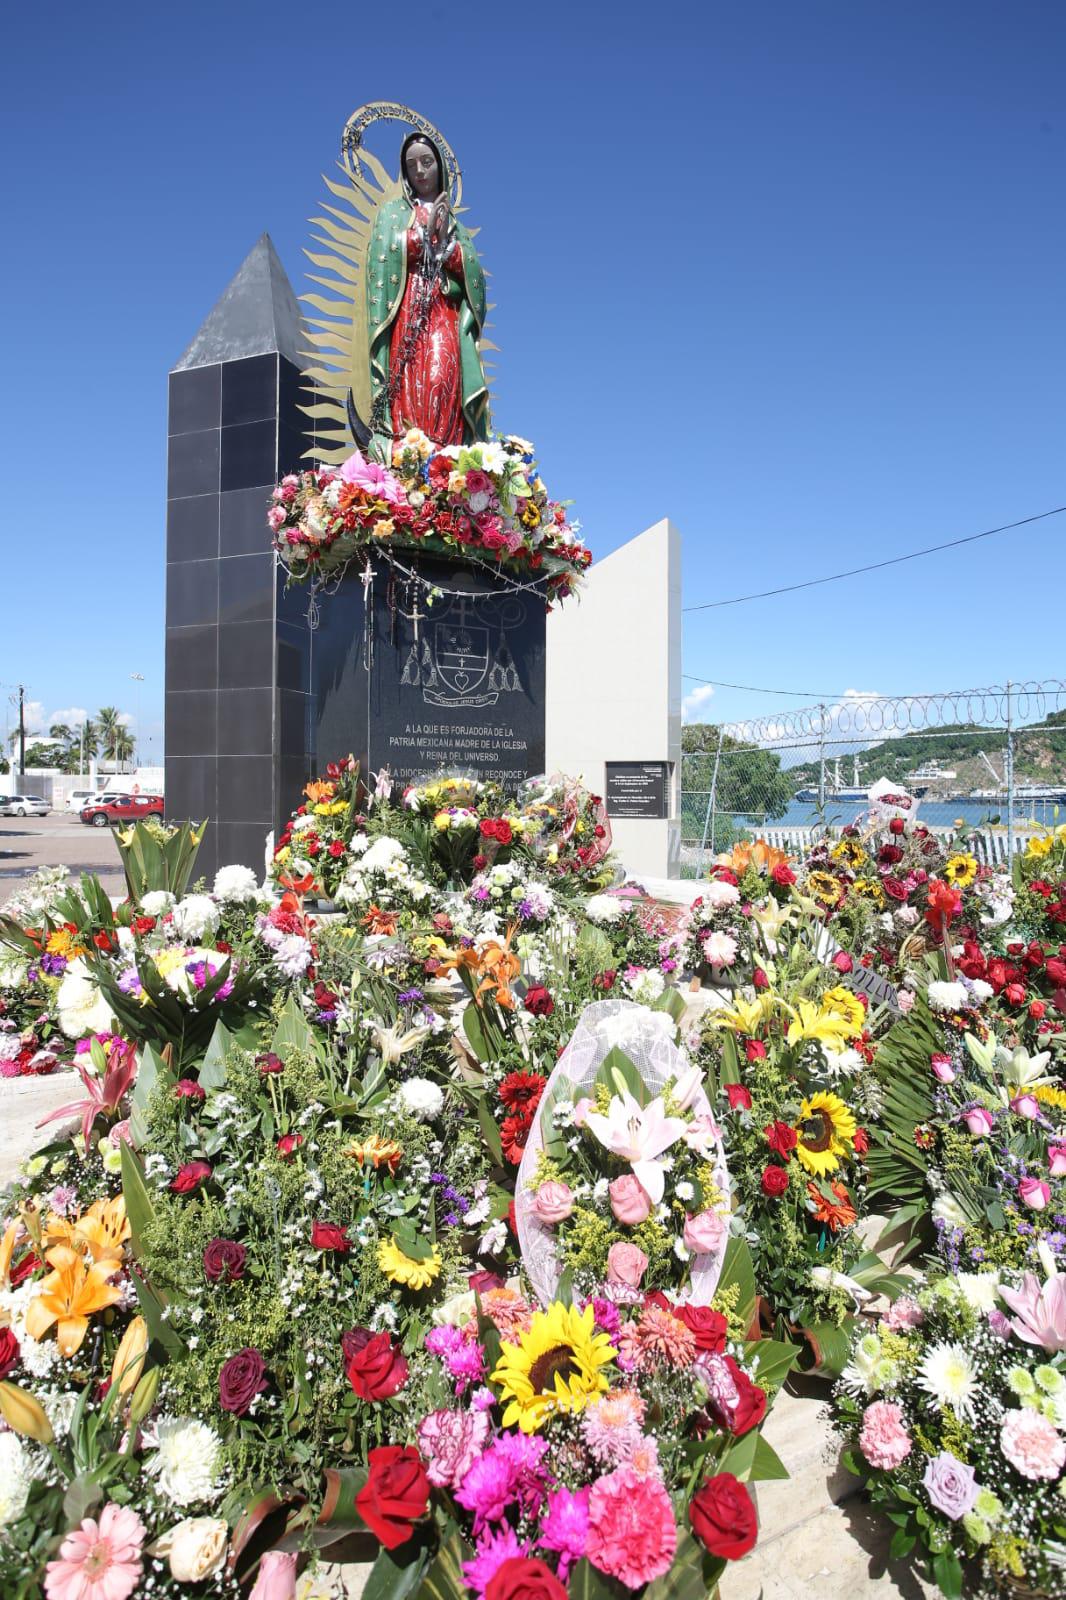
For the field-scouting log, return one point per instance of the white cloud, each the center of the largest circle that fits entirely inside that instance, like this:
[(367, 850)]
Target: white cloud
[(695, 700)]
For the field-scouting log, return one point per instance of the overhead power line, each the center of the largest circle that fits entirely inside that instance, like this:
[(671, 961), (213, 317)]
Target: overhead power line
[(876, 566)]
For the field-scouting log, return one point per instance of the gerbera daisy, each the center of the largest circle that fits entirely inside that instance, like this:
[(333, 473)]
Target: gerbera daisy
[(960, 870), (824, 1130), (404, 1269), (948, 1374), (556, 1367)]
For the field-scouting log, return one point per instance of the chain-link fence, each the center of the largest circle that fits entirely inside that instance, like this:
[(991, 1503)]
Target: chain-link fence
[(993, 759)]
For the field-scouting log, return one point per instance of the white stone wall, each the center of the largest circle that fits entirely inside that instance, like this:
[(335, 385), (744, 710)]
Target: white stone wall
[(614, 684)]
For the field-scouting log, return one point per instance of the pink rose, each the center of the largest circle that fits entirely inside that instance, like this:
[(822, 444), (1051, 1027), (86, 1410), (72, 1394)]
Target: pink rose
[(704, 1233), (1056, 1158), (553, 1202), (1027, 1106), (626, 1264), (979, 1122), (943, 1071), (630, 1201), (883, 1440), (1035, 1193)]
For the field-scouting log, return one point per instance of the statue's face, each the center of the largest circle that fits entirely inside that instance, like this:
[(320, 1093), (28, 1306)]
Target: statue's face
[(421, 168)]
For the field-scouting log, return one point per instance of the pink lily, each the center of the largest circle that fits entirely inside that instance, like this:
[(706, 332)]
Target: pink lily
[(1041, 1311), (640, 1135), (103, 1095)]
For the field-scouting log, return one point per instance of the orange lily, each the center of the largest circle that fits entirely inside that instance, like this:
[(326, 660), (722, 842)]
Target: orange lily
[(835, 1217), (69, 1295), (378, 921)]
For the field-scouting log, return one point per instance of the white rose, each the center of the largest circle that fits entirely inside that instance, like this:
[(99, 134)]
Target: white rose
[(195, 917), (82, 1008), (195, 1548)]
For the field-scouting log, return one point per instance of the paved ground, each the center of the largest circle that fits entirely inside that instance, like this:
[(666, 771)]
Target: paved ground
[(60, 839)]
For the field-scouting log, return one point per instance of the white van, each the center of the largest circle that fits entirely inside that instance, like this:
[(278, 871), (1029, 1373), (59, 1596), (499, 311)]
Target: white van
[(78, 798)]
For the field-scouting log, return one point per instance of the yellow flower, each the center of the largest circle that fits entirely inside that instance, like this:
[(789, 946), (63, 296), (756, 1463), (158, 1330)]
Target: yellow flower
[(556, 1367), (1041, 844), (960, 870), (404, 1270), (825, 1128), (69, 1295)]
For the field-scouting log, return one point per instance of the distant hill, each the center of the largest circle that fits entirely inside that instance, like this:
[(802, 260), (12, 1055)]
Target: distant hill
[(1039, 755)]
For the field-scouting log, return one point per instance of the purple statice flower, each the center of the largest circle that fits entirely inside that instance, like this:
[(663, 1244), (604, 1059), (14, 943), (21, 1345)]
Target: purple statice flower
[(490, 1554), (565, 1526)]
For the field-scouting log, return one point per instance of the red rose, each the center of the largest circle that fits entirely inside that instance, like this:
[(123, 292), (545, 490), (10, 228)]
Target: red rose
[(224, 1261), (188, 1089), (708, 1327), (861, 1141), (191, 1176), (524, 1578), (395, 1495), (538, 1001), (781, 1138), (754, 1049), (739, 1098), (722, 1514), (269, 1064), (774, 1181), (9, 1352), (376, 1370), (288, 1143), (240, 1379), (327, 1236)]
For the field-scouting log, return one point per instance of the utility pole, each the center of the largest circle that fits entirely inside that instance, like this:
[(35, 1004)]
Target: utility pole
[(22, 730)]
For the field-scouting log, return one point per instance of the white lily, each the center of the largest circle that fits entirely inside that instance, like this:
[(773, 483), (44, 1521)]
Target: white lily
[(639, 1135)]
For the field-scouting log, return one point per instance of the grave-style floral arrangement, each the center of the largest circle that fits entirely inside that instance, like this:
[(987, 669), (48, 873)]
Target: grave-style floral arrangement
[(954, 1412), (481, 501)]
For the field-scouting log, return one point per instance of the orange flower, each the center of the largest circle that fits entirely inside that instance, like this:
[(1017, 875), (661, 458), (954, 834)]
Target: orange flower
[(378, 1151), (838, 1216), (378, 921), (69, 1295), (319, 791)]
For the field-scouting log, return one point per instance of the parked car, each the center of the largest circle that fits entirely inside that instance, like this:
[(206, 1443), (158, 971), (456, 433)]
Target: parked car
[(23, 805), (79, 798), (108, 808)]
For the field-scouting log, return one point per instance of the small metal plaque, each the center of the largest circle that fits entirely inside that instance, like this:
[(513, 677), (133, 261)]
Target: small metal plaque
[(638, 789)]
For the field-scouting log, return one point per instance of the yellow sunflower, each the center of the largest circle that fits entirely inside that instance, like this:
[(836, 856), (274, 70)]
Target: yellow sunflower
[(825, 1128), (823, 887), (556, 1367), (405, 1270), (960, 870)]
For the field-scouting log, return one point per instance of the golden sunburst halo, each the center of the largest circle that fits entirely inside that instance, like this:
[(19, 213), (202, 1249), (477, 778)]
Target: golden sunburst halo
[(825, 1127), (557, 1367)]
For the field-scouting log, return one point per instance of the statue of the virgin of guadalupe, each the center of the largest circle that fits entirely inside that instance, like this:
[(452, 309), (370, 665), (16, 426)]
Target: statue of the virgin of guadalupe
[(408, 347)]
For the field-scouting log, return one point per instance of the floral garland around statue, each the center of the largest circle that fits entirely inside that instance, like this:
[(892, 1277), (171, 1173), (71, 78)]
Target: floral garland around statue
[(486, 502)]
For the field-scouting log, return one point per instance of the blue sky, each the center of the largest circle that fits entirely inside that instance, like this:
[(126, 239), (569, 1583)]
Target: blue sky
[(788, 274)]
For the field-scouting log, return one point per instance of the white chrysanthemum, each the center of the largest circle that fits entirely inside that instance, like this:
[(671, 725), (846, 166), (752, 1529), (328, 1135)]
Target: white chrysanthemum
[(947, 996), (16, 1477), (236, 885), (604, 909), (82, 1008), (195, 917), (421, 1098), (948, 1374), (980, 1290), (157, 902), (186, 1460)]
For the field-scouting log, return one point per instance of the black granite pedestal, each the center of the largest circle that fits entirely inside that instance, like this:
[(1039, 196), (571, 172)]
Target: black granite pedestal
[(452, 685)]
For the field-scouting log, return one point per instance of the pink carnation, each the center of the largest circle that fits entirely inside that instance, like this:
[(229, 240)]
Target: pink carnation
[(1032, 1444), (884, 1441), (449, 1442), (632, 1534)]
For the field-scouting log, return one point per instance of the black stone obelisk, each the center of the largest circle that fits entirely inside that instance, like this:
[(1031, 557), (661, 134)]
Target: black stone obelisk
[(238, 724)]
